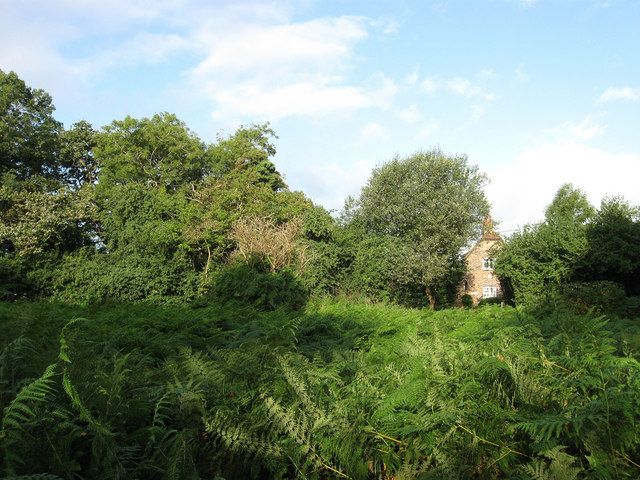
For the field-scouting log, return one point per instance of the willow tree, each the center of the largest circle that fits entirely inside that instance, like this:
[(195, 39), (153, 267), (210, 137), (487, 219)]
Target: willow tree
[(433, 204)]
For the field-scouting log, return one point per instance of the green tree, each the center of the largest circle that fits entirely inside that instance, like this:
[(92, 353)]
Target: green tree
[(542, 257), (28, 132), (159, 151), (76, 154), (432, 203), (613, 252), (248, 149)]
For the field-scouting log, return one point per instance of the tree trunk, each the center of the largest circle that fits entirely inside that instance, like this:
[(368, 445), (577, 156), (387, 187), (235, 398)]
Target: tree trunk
[(432, 299)]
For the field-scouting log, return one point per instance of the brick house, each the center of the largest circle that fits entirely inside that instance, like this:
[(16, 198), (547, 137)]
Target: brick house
[(480, 282)]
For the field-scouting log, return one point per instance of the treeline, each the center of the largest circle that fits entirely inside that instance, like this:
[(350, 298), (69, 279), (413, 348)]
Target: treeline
[(580, 256), (144, 210)]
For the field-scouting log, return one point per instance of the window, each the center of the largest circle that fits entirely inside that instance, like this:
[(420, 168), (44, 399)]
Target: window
[(487, 263), (490, 291)]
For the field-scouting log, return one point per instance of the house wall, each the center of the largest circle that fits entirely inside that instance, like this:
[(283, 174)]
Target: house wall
[(477, 278)]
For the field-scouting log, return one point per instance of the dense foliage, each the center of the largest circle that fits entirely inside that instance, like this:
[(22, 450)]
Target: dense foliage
[(578, 254), (144, 210), (425, 208), (179, 313), (341, 389)]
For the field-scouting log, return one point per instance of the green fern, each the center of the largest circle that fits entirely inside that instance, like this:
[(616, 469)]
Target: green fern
[(17, 352), (21, 412), (556, 465)]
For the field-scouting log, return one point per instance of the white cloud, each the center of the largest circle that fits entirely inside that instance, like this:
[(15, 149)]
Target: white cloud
[(411, 114), (412, 79), (520, 191), (421, 127), (458, 86), (374, 130), (428, 129), (254, 60), (582, 131), (487, 74), (317, 44), (270, 71), (464, 88), (145, 48), (312, 98), (331, 183), (429, 85), (623, 93), (477, 112), (54, 45), (527, 3)]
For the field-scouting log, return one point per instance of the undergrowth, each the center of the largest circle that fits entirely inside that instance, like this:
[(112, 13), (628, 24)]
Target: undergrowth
[(338, 390)]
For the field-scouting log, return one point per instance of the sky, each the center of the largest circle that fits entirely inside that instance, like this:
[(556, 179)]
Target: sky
[(536, 93)]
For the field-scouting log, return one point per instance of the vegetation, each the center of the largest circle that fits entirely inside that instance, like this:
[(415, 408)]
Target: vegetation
[(170, 309), (343, 389), (589, 257)]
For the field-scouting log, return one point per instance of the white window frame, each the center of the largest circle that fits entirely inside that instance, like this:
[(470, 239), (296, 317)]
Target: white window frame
[(490, 291)]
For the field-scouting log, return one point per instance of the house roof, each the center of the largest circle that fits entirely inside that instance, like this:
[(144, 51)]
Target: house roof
[(488, 233)]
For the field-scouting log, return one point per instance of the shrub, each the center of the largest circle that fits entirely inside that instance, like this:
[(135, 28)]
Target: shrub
[(467, 301), (602, 296), (252, 284), (90, 277)]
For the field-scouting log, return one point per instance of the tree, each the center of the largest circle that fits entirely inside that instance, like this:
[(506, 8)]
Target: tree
[(613, 239), (249, 148), (570, 205), (432, 203), (159, 151), (76, 154), (28, 131), (278, 245), (542, 257)]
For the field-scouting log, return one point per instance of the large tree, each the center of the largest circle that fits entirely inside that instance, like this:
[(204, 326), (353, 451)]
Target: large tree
[(542, 257), (432, 203), (613, 252), (28, 132), (160, 152)]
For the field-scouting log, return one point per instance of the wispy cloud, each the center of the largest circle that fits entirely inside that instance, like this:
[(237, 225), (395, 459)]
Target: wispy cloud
[(246, 59), (477, 112), (332, 182), (287, 69), (621, 93), (430, 85), (374, 130), (487, 74), (464, 88), (411, 114), (458, 86), (584, 130), (315, 44)]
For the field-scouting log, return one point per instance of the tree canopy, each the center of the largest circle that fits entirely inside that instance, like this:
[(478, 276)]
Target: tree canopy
[(28, 131), (432, 203)]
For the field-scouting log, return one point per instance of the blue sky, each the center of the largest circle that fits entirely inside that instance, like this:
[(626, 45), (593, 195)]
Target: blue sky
[(536, 93)]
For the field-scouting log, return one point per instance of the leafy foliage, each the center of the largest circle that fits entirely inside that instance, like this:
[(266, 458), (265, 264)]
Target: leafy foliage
[(28, 131), (433, 204), (338, 389)]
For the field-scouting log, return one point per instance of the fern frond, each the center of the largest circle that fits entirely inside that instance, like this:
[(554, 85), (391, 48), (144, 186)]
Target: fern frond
[(20, 412)]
